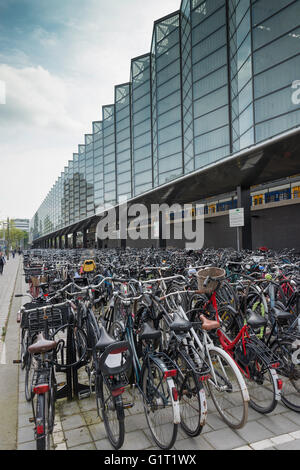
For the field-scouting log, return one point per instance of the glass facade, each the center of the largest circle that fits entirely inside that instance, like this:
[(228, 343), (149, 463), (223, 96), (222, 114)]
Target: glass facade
[(217, 79)]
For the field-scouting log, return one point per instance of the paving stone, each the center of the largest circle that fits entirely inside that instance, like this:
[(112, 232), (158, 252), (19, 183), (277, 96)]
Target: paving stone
[(98, 431), (215, 422), (91, 417), (293, 416), (281, 439), (104, 444), (295, 434), (221, 440), (132, 423), (88, 446), (88, 404), (58, 437), (70, 408), (77, 437), (262, 445), (72, 422), (196, 443), (243, 448), (23, 421), (61, 446), (254, 431), (27, 446), (292, 445), (25, 434), (136, 440), (278, 424), (25, 409)]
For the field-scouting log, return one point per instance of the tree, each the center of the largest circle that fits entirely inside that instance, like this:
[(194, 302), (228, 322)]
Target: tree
[(16, 236)]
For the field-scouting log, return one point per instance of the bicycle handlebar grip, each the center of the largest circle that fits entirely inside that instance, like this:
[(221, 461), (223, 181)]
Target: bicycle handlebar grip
[(18, 295)]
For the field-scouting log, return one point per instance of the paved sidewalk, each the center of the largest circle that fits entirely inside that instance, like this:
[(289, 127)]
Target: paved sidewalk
[(79, 428), (9, 283)]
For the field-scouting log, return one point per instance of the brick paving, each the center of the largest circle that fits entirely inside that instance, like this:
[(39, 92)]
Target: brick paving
[(79, 428)]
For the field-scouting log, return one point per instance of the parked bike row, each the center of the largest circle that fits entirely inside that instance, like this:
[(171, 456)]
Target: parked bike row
[(173, 328)]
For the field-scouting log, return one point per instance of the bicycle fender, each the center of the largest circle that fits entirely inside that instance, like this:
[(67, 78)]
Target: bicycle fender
[(275, 379), (243, 385), (296, 357), (204, 410), (175, 404)]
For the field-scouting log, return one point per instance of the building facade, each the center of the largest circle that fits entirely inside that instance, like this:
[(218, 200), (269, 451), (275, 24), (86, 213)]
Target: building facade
[(221, 76)]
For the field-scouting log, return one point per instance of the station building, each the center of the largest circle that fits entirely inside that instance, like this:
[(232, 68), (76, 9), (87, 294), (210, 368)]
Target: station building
[(210, 114)]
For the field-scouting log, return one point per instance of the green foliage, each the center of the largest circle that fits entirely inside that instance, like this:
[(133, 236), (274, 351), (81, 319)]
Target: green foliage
[(14, 235)]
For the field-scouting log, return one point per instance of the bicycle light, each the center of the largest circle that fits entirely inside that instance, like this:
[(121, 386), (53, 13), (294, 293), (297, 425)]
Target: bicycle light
[(40, 389), (170, 373)]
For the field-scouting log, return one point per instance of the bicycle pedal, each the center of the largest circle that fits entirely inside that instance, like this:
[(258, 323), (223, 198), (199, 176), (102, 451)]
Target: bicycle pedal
[(126, 406), (16, 361), (84, 394)]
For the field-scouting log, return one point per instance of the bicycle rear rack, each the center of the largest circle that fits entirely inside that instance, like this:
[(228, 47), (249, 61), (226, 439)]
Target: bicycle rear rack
[(265, 354)]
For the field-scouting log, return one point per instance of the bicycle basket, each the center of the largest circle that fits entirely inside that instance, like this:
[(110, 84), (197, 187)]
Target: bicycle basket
[(216, 273), (36, 321)]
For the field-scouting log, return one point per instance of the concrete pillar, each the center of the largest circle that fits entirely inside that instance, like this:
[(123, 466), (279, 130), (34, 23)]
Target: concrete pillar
[(74, 239), (245, 233), (84, 238)]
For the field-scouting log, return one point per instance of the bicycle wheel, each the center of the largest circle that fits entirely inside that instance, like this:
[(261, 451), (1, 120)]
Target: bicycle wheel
[(261, 387), (227, 388), (289, 374), (158, 406), (52, 399), (29, 371), (191, 397), (24, 347), (112, 413)]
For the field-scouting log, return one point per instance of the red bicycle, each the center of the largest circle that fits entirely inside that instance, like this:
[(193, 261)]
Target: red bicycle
[(255, 360)]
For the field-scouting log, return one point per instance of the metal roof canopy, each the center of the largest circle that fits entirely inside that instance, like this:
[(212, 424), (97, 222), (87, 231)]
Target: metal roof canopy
[(273, 159)]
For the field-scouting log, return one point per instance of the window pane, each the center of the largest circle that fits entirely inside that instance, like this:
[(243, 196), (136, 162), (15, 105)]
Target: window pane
[(277, 126), (286, 20), (278, 77), (274, 104)]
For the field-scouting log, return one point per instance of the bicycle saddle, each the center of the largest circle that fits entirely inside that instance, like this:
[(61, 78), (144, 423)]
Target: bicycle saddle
[(281, 314), (149, 333), (209, 325), (255, 320), (179, 324), (42, 345), (105, 340)]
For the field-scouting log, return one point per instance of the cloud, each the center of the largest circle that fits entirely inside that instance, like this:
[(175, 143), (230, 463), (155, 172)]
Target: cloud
[(35, 97)]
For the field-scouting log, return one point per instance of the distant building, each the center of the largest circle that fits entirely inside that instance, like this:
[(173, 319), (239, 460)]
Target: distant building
[(22, 224)]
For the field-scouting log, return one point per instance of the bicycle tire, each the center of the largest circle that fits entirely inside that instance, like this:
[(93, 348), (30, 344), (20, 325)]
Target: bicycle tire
[(112, 413), (261, 388), (29, 370), (290, 394), (24, 347), (190, 411), (227, 389), (155, 410)]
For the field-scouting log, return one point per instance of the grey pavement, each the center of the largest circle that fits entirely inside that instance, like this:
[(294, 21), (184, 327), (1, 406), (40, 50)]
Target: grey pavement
[(78, 427), (9, 387)]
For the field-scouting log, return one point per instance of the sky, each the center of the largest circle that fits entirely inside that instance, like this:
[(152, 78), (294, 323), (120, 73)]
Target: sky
[(59, 63)]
